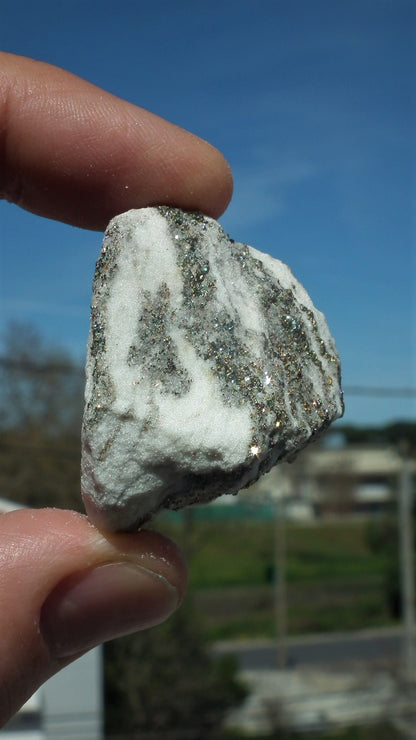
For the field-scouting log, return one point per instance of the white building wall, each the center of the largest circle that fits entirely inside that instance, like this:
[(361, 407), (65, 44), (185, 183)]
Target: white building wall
[(72, 701), (67, 707)]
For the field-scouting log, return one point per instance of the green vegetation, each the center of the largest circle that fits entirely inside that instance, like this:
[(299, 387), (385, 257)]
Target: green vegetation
[(389, 434), (232, 553), (335, 578), (165, 678), (340, 575), (374, 732)]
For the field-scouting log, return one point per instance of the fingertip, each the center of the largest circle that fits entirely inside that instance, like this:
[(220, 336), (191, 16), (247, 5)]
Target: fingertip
[(135, 581), (66, 586), (73, 152), (103, 603), (215, 181), (153, 551)]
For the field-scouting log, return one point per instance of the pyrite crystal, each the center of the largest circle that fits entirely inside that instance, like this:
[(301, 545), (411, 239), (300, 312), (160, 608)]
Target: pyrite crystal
[(207, 365)]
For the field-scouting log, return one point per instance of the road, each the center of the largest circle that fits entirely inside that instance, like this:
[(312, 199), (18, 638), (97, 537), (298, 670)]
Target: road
[(367, 646)]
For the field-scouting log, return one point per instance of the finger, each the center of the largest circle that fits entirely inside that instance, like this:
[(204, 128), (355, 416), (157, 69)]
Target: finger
[(72, 152), (65, 587)]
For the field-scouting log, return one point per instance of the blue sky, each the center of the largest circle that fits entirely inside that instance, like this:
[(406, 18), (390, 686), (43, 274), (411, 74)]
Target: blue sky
[(312, 103)]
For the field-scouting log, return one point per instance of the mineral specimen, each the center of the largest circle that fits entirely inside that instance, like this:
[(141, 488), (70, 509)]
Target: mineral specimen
[(207, 364)]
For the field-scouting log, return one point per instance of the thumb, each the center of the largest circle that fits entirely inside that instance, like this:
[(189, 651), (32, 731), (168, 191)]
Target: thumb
[(65, 587)]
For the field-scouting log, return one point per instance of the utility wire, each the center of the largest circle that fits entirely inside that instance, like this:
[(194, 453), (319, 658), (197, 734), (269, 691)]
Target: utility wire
[(379, 391), (64, 368), (35, 368)]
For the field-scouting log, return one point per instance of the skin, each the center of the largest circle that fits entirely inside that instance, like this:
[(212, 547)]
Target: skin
[(72, 152)]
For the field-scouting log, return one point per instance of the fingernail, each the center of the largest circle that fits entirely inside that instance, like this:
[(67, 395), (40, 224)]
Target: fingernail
[(100, 604)]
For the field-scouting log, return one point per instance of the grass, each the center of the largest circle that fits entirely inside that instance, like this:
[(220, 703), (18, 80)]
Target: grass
[(334, 580), (242, 553), (248, 612), (374, 732)]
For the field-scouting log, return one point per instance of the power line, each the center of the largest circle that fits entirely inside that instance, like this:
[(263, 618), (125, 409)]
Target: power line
[(35, 368), (43, 449), (64, 368), (379, 391)]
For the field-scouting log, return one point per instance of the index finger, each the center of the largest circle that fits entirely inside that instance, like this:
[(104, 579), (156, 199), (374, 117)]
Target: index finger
[(73, 152)]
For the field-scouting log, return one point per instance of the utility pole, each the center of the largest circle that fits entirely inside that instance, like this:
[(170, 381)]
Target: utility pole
[(407, 568), (280, 594), (406, 724)]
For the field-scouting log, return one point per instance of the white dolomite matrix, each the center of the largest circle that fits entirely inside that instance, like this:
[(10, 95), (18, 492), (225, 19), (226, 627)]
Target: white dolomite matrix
[(207, 364)]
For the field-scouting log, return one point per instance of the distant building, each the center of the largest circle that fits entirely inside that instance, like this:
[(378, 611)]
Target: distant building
[(68, 706), (330, 480), (350, 479)]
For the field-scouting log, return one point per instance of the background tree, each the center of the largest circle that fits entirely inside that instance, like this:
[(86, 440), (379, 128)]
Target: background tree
[(41, 391), (164, 683), (165, 678), (383, 538), (390, 434)]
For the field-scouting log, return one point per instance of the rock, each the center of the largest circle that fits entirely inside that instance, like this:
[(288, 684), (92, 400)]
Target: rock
[(207, 364)]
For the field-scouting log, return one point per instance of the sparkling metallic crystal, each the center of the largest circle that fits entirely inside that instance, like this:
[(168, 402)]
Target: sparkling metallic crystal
[(213, 324)]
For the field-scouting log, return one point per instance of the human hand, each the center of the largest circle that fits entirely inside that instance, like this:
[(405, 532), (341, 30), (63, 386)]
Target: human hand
[(75, 153)]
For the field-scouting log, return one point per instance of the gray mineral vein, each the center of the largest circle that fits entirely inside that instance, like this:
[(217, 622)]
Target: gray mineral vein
[(207, 364)]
